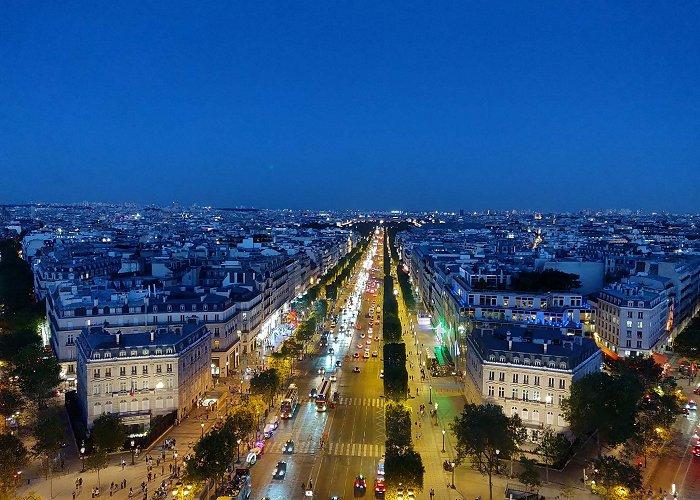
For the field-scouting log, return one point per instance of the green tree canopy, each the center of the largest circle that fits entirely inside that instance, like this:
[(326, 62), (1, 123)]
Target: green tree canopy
[(266, 384), (486, 435), (38, 373), (405, 468), (606, 404), (397, 420), (647, 371), (240, 422), (10, 401), (529, 475), (687, 343), (13, 457), (48, 432), (97, 460), (553, 447), (212, 455), (108, 433), (615, 479)]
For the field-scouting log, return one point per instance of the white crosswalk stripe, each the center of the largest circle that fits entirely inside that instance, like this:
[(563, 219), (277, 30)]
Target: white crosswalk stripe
[(356, 450), (371, 402)]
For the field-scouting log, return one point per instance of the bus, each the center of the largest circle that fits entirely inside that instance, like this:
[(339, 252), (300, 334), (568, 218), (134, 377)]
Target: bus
[(289, 402), (322, 396)]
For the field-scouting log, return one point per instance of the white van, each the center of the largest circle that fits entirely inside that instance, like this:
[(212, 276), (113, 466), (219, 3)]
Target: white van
[(267, 431)]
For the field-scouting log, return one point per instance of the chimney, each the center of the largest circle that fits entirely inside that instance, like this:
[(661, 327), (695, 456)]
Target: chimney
[(94, 302), (545, 347), (116, 337), (153, 335), (510, 344)]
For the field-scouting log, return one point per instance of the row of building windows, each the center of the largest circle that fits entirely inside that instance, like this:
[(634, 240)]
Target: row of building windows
[(97, 372), (133, 405), (551, 382), (133, 352), (524, 395), (169, 384), (527, 361)]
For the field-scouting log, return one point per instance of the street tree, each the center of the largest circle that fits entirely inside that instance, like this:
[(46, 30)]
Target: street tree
[(553, 447), (397, 421), (687, 343), (240, 422), (404, 468), (212, 455), (10, 402), (13, 457), (486, 435), (38, 374), (647, 371), (108, 432), (529, 475), (614, 478), (266, 384), (603, 404), (97, 460), (48, 434)]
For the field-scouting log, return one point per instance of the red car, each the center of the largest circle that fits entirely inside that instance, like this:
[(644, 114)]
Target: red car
[(696, 450), (379, 488)]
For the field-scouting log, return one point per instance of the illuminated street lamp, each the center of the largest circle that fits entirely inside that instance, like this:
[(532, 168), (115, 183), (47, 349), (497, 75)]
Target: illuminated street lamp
[(238, 458), (132, 451), (443, 440), (82, 455), (430, 398), (201, 424), (452, 464)]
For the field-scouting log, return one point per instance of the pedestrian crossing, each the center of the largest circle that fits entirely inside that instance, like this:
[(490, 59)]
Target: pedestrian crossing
[(331, 449), (371, 402)]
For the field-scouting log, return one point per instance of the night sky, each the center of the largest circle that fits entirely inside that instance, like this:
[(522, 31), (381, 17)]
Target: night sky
[(348, 104)]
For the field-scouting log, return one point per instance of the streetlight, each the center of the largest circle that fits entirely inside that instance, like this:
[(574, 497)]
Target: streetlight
[(452, 464), (430, 399), (175, 459), (201, 424), (498, 452), (443, 440), (82, 455), (238, 457), (132, 451)]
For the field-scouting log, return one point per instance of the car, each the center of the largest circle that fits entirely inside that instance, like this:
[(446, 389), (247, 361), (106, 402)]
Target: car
[(410, 493), (696, 390), (381, 374), (370, 331), (375, 354), (313, 392), (369, 335), (280, 470), (333, 378), (288, 447), (251, 458), (322, 371), (683, 411), (360, 484), (369, 342), (355, 355), (379, 488), (331, 351), (380, 467), (692, 405), (338, 363), (400, 493), (356, 369), (362, 335), (366, 355), (359, 345)]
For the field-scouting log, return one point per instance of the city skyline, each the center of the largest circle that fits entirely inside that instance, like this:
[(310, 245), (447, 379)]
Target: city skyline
[(361, 106)]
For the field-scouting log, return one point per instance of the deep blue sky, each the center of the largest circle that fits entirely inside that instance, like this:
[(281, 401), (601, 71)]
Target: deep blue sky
[(334, 104)]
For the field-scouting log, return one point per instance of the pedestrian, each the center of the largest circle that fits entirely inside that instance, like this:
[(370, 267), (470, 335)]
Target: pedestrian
[(131, 493), (74, 495), (162, 470)]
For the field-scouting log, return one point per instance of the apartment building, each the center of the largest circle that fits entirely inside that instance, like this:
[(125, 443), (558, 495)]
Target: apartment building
[(631, 320), (142, 374), (528, 371)]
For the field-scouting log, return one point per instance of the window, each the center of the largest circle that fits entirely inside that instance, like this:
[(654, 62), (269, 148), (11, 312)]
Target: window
[(501, 392), (516, 361), (97, 409), (515, 378), (159, 368), (524, 414), (526, 361), (561, 399), (639, 334), (640, 315), (108, 388), (551, 364), (145, 405), (501, 359), (537, 380), (144, 369), (513, 411), (502, 377), (550, 418), (133, 370), (514, 394), (535, 395), (159, 402), (629, 323), (526, 395), (144, 385), (122, 354), (122, 371), (536, 415), (629, 314), (122, 386), (538, 362), (170, 384), (96, 373), (169, 368), (526, 379), (550, 382), (96, 389), (491, 391), (640, 324), (629, 334), (108, 407), (639, 344), (628, 343), (562, 383)]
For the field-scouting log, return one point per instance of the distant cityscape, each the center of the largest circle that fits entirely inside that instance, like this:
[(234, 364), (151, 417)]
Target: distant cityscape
[(158, 312)]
